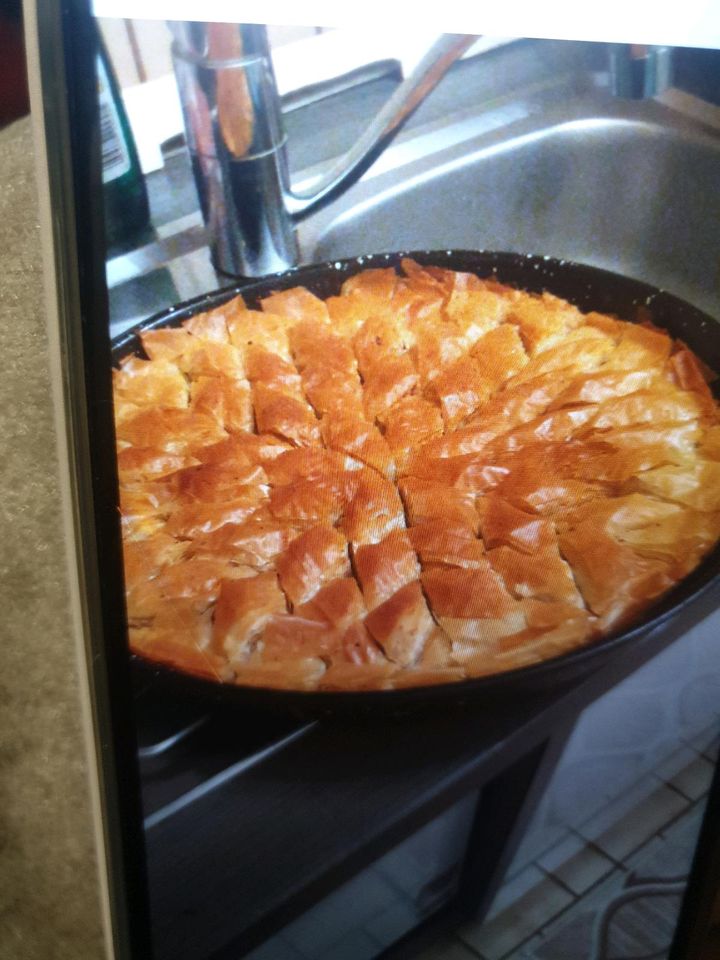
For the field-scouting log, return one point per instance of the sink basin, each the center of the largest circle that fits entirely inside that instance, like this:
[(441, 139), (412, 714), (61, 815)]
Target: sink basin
[(631, 187)]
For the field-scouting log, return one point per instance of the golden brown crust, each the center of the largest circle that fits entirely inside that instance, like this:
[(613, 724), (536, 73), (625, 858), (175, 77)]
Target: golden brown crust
[(383, 568), (429, 477), (317, 556)]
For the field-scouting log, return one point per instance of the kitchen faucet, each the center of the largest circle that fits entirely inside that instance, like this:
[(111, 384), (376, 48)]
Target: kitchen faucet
[(233, 123)]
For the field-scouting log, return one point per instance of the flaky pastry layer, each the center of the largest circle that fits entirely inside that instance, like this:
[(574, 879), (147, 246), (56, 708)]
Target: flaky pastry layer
[(427, 478)]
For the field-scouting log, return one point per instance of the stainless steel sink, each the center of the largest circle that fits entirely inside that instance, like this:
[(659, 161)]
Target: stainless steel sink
[(630, 186), (523, 150)]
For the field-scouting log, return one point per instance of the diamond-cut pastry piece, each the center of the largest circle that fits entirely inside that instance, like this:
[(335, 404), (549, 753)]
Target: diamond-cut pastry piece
[(290, 637), (309, 463), (696, 484), (314, 499), (409, 422), (583, 351), (379, 338), (426, 500), (667, 405), (475, 312), (640, 347), (500, 354), (402, 624), (471, 472), (315, 343), (286, 416), (461, 389), (228, 401), (144, 559), (690, 374), (255, 541), (220, 482), (242, 610), (148, 463), (543, 320), (150, 383), (328, 389), (376, 284), (248, 328), (212, 325), (270, 370), (196, 579), (208, 358), (548, 577), (180, 637), (360, 648), (374, 509), (387, 381), (437, 543), (384, 567), (358, 438), (296, 304), (144, 507), (477, 593), (168, 343), (614, 580), (339, 603), (192, 518), (427, 478), (436, 347), (176, 431), (311, 560), (503, 524), (246, 449)]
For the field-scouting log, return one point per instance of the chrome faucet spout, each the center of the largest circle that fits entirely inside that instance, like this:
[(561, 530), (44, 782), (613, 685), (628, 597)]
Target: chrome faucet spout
[(234, 132), (388, 123)]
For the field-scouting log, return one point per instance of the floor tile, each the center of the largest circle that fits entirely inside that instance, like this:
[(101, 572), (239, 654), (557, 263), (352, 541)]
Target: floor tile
[(693, 781), (686, 829), (670, 853), (560, 852), (677, 761), (276, 948), (613, 813), (712, 749), (393, 922), (345, 910), (647, 818), (517, 923), (576, 864), (513, 889), (706, 741), (355, 945), (569, 936), (644, 926), (449, 948)]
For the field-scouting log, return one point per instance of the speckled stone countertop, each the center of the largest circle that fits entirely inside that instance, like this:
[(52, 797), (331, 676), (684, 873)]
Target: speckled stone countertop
[(49, 903)]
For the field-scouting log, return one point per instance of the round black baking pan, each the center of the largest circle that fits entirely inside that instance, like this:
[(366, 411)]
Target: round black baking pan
[(589, 288)]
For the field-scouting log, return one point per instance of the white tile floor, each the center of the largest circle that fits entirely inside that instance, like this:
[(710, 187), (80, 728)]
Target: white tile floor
[(551, 910)]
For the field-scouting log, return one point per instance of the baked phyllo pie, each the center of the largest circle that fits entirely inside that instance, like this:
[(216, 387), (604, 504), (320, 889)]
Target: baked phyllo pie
[(427, 478)]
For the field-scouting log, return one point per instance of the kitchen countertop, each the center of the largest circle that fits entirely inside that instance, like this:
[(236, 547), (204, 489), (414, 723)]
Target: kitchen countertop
[(48, 880)]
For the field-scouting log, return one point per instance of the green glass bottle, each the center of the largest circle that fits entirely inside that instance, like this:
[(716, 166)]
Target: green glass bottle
[(127, 212)]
